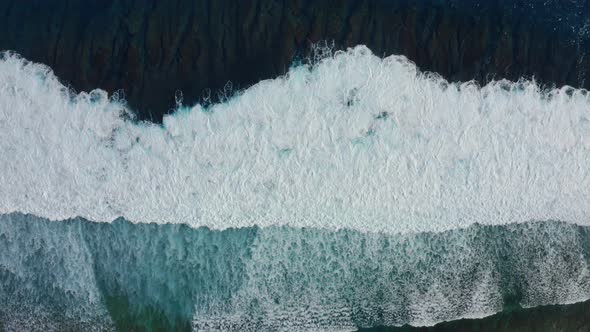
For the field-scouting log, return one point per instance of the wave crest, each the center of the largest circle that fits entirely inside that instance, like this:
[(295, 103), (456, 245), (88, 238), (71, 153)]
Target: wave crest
[(353, 141)]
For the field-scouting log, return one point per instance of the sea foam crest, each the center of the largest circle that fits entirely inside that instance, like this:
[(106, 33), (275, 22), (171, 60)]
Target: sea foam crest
[(352, 141)]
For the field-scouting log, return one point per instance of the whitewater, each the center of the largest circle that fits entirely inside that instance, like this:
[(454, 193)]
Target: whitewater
[(353, 191), (353, 141)]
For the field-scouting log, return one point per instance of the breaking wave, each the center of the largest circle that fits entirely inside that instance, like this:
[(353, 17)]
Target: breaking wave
[(355, 191), (353, 141)]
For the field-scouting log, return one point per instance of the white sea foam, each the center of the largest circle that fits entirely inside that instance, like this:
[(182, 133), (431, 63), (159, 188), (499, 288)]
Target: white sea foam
[(354, 141)]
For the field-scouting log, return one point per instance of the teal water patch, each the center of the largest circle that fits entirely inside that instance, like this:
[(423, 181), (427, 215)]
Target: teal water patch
[(116, 276), (82, 275), (154, 276)]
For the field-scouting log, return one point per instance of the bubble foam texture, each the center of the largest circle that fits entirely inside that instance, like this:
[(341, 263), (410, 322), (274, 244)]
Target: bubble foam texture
[(353, 141)]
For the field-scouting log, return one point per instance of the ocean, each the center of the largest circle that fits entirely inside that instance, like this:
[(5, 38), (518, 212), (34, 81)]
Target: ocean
[(353, 192)]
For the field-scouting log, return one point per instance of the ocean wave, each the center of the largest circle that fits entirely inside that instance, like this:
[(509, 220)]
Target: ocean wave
[(353, 141)]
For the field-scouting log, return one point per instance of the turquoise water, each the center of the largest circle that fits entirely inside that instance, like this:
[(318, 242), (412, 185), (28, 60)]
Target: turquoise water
[(553, 318), (75, 274)]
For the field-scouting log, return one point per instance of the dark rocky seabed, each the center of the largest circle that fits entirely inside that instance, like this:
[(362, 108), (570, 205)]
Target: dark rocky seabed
[(150, 49)]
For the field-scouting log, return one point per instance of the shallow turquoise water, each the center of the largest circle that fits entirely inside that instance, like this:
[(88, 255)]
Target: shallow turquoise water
[(77, 274)]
